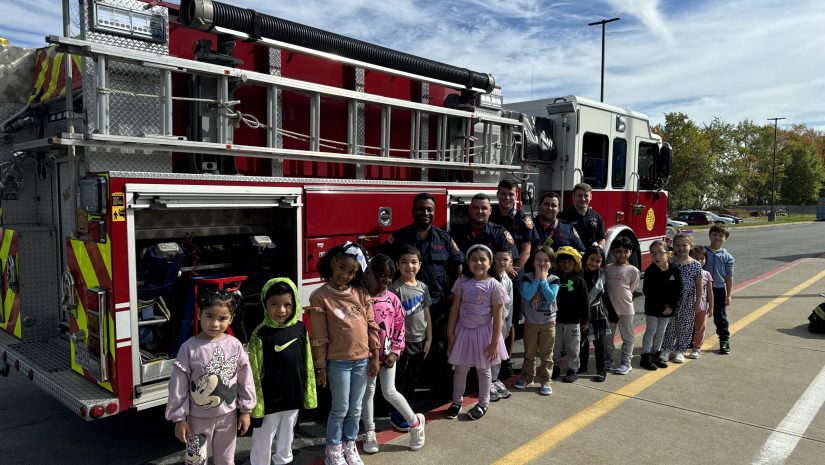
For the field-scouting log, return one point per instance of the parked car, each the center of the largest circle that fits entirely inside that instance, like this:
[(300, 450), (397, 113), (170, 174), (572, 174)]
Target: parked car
[(674, 223), (720, 218), (695, 218), (736, 219)]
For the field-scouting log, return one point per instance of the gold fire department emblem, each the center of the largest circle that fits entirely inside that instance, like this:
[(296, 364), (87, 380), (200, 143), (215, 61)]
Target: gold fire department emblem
[(650, 220)]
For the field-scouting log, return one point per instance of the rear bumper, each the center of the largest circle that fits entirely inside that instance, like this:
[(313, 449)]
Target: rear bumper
[(47, 364)]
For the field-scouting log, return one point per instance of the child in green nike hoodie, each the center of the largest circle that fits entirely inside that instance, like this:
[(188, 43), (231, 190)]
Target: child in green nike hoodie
[(281, 361)]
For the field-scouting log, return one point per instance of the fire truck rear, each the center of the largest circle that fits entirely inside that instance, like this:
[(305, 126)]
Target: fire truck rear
[(171, 149)]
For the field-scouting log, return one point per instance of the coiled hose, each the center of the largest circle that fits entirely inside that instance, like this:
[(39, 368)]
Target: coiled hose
[(207, 14)]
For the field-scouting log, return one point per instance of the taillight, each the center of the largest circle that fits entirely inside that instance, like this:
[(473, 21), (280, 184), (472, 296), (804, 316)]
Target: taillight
[(111, 408), (82, 412), (97, 231), (97, 412)]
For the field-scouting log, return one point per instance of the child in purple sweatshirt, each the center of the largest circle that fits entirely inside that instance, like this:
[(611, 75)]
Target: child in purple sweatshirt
[(210, 382), (389, 316)]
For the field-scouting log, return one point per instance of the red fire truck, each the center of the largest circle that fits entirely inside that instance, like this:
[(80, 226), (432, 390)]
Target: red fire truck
[(168, 149)]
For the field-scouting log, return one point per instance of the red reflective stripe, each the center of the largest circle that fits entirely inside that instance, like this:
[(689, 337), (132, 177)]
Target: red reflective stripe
[(98, 265)]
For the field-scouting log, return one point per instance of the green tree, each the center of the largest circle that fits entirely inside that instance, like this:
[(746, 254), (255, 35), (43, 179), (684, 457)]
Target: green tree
[(727, 163), (693, 169), (804, 172)]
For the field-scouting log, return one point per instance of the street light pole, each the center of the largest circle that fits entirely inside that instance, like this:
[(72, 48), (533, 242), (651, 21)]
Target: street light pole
[(772, 214), (603, 22)]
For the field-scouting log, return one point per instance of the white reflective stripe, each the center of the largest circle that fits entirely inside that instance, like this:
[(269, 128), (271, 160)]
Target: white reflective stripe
[(121, 305), (123, 327), (126, 343), (784, 439)]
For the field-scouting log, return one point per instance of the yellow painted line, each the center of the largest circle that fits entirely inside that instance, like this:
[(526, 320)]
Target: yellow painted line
[(549, 439)]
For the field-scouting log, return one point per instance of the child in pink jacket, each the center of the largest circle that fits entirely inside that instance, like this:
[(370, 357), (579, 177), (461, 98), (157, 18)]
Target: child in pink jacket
[(389, 316)]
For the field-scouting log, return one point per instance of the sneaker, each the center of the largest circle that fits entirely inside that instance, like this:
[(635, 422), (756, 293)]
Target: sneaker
[(334, 455), (503, 393), (679, 358), (494, 396), (370, 443), (623, 369), (571, 376), (664, 355), (724, 347), (417, 433), (477, 412), (452, 411), (545, 390), (351, 454), (521, 384), (608, 362), (694, 354), (398, 422), (600, 377), (556, 372)]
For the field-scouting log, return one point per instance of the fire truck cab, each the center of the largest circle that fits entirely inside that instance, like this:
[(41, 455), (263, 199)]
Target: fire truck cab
[(166, 150), (613, 150)]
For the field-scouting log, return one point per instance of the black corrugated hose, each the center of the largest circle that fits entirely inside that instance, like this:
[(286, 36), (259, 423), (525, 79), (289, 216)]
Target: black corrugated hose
[(196, 13)]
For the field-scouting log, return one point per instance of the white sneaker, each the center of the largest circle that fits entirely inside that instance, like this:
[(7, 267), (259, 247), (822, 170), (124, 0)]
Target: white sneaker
[(335, 455), (370, 443), (503, 392), (351, 454), (665, 356), (417, 437), (695, 353), (678, 358)]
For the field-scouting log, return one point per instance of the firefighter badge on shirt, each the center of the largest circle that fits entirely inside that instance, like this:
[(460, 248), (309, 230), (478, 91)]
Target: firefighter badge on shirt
[(509, 238), (528, 222)]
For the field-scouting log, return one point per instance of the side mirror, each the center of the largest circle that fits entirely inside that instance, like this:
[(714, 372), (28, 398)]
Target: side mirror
[(664, 163)]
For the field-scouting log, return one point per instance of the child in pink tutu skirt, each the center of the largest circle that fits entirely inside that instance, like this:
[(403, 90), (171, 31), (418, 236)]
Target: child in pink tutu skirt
[(475, 316)]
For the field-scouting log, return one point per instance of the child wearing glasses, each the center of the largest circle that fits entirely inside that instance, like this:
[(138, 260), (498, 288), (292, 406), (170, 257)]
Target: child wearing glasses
[(211, 391), (663, 289)]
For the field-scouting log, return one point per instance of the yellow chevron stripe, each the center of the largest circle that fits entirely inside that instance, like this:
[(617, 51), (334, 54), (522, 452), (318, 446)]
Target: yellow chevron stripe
[(84, 263), (4, 249), (42, 76), (58, 61)]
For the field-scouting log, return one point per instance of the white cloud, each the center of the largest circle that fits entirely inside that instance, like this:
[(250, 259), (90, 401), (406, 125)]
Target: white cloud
[(736, 59)]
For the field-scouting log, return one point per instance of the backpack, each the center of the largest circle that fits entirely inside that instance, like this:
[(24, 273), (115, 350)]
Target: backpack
[(817, 319)]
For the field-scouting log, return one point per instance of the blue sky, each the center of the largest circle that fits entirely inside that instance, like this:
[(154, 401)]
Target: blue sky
[(735, 59)]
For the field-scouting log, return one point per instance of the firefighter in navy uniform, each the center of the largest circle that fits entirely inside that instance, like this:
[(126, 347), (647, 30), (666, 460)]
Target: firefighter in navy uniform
[(520, 227), (441, 262), (479, 230), (588, 223)]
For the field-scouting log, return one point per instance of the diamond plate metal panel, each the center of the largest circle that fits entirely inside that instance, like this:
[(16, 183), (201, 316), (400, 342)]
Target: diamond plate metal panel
[(24, 210), (39, 278), (135, 106), (49, 362)]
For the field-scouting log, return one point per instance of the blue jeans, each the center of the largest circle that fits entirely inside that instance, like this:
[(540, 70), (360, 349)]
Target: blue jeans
[(347, 382)]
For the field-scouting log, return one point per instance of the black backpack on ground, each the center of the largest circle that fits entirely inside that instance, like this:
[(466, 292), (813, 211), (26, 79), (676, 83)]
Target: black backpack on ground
[(817, 319)]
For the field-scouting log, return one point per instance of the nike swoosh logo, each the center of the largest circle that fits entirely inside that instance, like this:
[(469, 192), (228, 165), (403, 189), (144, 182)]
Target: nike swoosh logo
[(281, 347)]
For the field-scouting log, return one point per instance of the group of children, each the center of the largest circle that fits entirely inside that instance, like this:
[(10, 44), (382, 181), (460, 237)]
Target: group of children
[(365, 326), (361, 332)]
